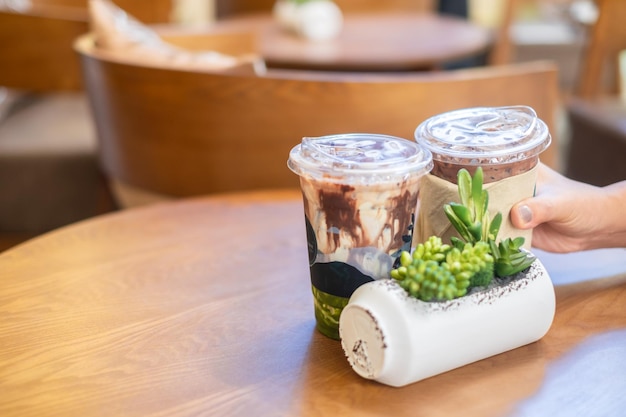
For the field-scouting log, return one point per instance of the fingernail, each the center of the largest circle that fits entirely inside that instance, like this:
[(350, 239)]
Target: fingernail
[(525, 214)]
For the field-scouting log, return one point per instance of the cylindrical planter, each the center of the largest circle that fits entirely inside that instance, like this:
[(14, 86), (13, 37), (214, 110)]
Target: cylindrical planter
[(393, 338)]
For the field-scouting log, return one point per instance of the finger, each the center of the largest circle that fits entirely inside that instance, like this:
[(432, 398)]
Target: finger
[(532, 212), (522, 215)]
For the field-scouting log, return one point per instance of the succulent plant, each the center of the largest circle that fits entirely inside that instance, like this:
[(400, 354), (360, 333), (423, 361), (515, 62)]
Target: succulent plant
[(474, 258), (471, 217), (427, 280), (510, 258), (471, 220), (438, 271), (432, 250)]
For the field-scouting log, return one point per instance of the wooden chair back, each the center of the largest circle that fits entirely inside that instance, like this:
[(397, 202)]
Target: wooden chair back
[(502, 49), (596, 111), (599, 62), (196, 38), (146, 11), (36, 51), (503, 18), (183, 133), (36, 48)]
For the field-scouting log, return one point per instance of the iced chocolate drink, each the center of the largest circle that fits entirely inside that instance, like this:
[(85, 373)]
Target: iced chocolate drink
[(504, 141), (360, 199), (496, 172)]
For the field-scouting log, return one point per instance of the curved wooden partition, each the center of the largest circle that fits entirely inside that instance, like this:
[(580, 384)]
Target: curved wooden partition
[(181, 132)]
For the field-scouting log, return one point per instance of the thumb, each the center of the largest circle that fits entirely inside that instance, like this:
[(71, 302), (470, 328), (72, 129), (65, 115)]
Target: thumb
[(530, 213)]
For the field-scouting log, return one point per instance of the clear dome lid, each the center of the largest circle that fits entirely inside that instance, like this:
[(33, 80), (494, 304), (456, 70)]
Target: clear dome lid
[(360, 157), (484, 135)]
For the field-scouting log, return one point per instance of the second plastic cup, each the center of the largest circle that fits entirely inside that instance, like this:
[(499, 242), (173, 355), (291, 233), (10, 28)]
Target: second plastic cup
[(360, 196), (504, 141)]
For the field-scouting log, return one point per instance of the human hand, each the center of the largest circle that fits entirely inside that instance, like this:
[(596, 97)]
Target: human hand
[(569, 216)]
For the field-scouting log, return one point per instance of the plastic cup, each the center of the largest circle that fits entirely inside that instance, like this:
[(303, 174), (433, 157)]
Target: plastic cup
[(504, 141), (360, 195)]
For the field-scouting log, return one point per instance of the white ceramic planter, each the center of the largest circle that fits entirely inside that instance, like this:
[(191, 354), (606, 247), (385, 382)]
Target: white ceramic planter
[(393, 338), (316, 20)]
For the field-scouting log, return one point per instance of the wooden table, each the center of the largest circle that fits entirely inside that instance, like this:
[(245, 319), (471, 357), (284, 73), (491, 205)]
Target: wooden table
[(369, 42), (203, 307)]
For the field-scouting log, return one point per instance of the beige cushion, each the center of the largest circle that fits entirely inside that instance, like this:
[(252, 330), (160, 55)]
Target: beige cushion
[(121, 36)]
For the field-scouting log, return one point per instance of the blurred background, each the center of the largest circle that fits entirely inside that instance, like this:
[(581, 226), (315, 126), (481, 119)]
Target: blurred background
[(50, 175)]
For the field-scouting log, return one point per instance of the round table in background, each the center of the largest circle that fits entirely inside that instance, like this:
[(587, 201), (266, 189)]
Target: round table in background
[(369, 42)]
